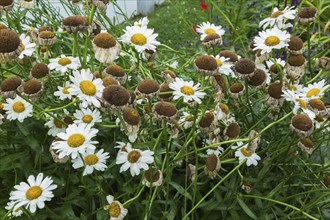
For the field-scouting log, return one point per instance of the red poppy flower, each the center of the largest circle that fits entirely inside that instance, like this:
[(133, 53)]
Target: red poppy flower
[(203, 6)]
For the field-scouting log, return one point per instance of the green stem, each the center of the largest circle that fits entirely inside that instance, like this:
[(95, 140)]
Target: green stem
[(209, 192), (281, 203), (309, 50)]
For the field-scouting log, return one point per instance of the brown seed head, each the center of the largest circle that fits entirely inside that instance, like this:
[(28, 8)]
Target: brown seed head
[(295, 43), (115, 70), (152, 175), (206, 62), (166, 109), (302, 122), (76, 20), (206, 120), (245, 66), (6, 2), (233, 130), (10, 84), (39, 70), (32, 86), (275, 90), (170, 73), (9, 41), (148, 86), (47, 35), (132, 96), (326, 181), (222, 82), (211, 162), (131, 116), (116, 95), (275, 68), (104, 40), (107, 81), (236, 87), (258, 78), (308, 143), (211, 37), (165, 88), (229, 54), (224, 108), (296, 60), (307, 12), (317, 104), (68, 120)]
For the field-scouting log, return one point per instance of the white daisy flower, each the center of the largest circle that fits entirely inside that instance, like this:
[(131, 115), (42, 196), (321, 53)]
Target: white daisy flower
[(18, 109), (224, 66), (115, 209), (87, 116), (76, 139), (63, 63), (142, 38), (34, 193), (278, 17), (134, 159), (28, 47), (315, 90), (187, 120), (207, 28), (88, 90), (242, 152), (55, 126), (215, 150), (271, 39), (187, 90), (63, 92), (143, 22), (276, 61), (91, 161), (299, 103), (15, 212)]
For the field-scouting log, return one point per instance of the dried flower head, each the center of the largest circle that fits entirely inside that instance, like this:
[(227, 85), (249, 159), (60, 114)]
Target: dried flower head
[(236, 89), (306, 145), (165, 92), (212, 166), (302, 125), (6, 5), (212, 40), (10, 47), (39, 70), (115, 96), (105, 47), (153, 177), (32, 89), (296, 45), (306, 15), (164, 110), (9, 86), (46, 37), (244, 68), (258, 79), (75, 23), (229, 54), (206, 64), (116, 72), (148, 88), (232, 131)]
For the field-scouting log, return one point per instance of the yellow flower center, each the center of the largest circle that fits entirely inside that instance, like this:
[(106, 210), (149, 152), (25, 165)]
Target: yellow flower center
[(276, 14), (245, 152), (133, 156), (87, 87), (1, 106), (209, 31), (87, 119), (139, 39), (65, 90), (58, 123), (23, 47), (219, 62), (114, 210), (64, 61), (313, 92), (18, 107), (302, 103), (293, 88), (33, 192), (76, 140), (272, 41), (189, 118), (187, 90), (91, 159)]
